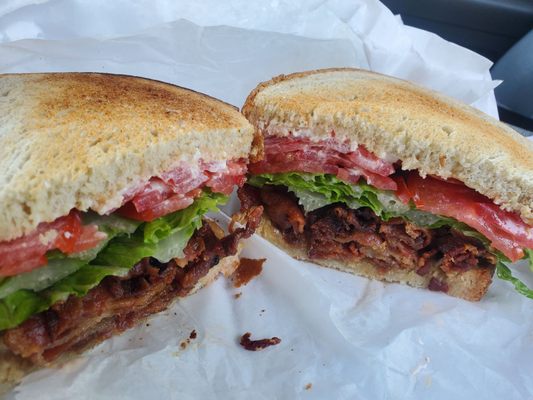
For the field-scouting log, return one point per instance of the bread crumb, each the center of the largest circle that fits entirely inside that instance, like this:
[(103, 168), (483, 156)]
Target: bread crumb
[(309, 386)]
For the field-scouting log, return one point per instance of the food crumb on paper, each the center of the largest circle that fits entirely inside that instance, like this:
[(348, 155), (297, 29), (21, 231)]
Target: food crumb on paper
[(248, 269), (193, 335), (309, 386), (255, 345), (237, 295)]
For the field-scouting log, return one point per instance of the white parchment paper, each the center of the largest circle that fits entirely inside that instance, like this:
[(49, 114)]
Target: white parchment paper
[(348, 337)]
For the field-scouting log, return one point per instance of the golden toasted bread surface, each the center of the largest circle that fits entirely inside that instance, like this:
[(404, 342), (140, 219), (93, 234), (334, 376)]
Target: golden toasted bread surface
[(398, 120), (81, 140)]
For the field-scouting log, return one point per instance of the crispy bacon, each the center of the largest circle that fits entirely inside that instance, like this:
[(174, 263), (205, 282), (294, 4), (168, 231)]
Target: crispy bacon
[(284, 210), (437, 285), (248, 269), (255, 345), (117, 304), (338, 232)]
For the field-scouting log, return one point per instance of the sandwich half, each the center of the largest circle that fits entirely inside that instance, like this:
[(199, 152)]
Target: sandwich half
[(104, 183), (378, 177)]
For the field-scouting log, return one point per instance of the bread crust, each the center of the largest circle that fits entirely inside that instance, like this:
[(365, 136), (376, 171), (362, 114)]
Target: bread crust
[(470, 285), (398, 120), (80, 140)]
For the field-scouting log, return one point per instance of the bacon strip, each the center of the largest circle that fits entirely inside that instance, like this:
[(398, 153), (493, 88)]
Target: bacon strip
[(255, 345), (120, 303), (338, 232)]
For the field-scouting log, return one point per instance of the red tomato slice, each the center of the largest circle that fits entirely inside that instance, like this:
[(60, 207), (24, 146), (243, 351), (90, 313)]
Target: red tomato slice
[(184, 179), (403, 192), (506, 230), (176, 189), (25, 265), (21, 255), (290, 154), (67, 234), (370, 162), (225, 183), (349, 175), (174, 203), (155, 192), (381, 182), (89, 238)]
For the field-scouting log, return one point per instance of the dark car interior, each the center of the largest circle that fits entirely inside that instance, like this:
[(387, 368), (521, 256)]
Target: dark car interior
[(501, 30)]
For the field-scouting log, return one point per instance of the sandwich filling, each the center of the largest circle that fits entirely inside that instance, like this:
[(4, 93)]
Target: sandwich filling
[(85, 276), (345, 203), (119, 302)]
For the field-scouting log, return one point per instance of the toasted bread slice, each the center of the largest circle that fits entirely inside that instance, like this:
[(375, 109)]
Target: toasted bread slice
[(397, 120), (81, 140)]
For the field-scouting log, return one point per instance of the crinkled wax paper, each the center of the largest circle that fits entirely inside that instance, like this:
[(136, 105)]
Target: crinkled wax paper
[(350, 338)]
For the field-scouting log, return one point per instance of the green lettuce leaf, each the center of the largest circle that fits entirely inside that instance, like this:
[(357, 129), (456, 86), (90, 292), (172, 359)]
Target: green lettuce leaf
[(165, 226), (82, 281), (503, 272), (41, 278), (317, 190), (19, 306), (61, 265), (125, 251), (22, 304), (529, 257), (163, 238), (128, 242), (111, 224), (432, 221)]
